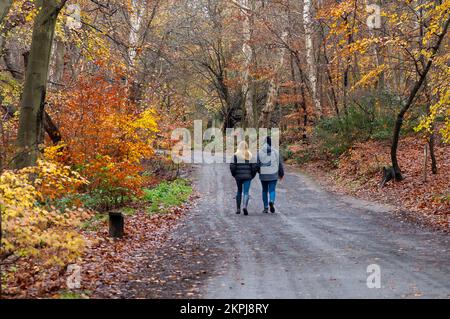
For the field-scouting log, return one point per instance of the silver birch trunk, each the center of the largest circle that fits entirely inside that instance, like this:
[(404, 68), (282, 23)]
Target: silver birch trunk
[(137, 8), (310, 60)]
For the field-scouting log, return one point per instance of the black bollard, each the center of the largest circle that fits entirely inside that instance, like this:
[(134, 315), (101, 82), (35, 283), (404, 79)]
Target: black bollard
[(116, 224)]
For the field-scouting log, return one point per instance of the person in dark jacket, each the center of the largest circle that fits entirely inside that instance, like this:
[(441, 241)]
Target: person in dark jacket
[(270, 171), (243, 171)]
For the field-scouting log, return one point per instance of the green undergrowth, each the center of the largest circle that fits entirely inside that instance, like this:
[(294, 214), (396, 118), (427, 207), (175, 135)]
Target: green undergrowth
[(167, 195)]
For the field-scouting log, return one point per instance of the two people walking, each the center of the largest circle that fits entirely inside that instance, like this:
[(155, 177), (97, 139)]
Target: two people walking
[(244, 168)]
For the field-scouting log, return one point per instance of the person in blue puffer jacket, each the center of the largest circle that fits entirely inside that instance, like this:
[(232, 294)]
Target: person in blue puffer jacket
[(271, 170)]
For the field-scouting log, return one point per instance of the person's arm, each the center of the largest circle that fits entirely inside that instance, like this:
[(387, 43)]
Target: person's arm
[(280, 167), (258, 165), (254, 168), (233, 166)]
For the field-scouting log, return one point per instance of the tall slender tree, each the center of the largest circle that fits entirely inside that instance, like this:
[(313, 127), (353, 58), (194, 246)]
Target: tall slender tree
[(310, 58)]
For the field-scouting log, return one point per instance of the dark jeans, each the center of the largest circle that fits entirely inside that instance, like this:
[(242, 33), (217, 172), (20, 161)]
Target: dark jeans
[(268, 192), (243, 187)]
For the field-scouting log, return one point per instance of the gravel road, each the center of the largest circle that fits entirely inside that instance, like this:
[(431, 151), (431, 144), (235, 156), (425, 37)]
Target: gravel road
[(317, 245)]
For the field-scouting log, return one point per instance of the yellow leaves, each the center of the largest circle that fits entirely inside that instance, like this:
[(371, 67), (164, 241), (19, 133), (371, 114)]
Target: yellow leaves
[(10, 88), (393, 18), (437, 82), (146, 120), (52, 153), (361, 46), (439, 109), (436, 15), (16, 190), (53, 180), (133, 135), (370, 78), (338, 10), (31, 229)]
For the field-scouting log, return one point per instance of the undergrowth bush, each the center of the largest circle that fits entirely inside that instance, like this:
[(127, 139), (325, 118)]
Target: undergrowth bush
[(167, 195), (371, 119), (32, 227)]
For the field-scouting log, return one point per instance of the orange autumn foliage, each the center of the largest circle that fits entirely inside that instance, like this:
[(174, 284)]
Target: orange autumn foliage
[(105, 136)]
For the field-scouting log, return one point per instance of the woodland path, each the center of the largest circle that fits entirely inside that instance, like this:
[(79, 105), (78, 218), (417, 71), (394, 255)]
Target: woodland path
[(317, 245)]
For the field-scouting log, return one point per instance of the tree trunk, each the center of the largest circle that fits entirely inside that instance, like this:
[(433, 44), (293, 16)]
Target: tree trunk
[(303, 88), (434, 169), (273, 88), (305, 112), (294, 88), (247, 87), (137, 9), (50, 127), (409, 102), (427, 95), (310, 60), (431, 138), (334, 99), (347, 68), (379, 57), (5, 5), (33, 97), (57, 68)]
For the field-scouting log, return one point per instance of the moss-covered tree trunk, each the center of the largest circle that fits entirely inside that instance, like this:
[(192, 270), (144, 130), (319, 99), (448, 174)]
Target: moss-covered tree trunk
[(33, 96), (5, 5)]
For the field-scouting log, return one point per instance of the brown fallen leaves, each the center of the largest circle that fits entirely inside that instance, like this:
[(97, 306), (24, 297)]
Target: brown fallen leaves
[(106, 265), (359, 173), (109, 262)]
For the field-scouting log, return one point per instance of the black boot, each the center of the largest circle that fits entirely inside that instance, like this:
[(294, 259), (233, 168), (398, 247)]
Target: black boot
[(238, 206), (272, 208), (246, 200)]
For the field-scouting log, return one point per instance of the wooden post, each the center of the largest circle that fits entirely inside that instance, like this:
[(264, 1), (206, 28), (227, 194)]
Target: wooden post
[(116, 224)]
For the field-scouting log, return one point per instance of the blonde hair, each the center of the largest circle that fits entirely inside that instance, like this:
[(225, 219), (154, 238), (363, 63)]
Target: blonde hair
[(243, 151)]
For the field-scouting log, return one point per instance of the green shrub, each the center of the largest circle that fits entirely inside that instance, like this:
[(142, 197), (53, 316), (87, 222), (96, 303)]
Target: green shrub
[(106, 198), (75, 295), (128, 211), (167, 195), (100, 199), (303, 157), (286, 153), (361, 122)]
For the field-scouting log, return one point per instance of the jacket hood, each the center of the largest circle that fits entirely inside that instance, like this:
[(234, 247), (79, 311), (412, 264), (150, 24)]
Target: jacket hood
[(266, 148)]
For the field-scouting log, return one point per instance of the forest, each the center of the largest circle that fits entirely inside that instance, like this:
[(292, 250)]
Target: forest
[(91, 91)]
